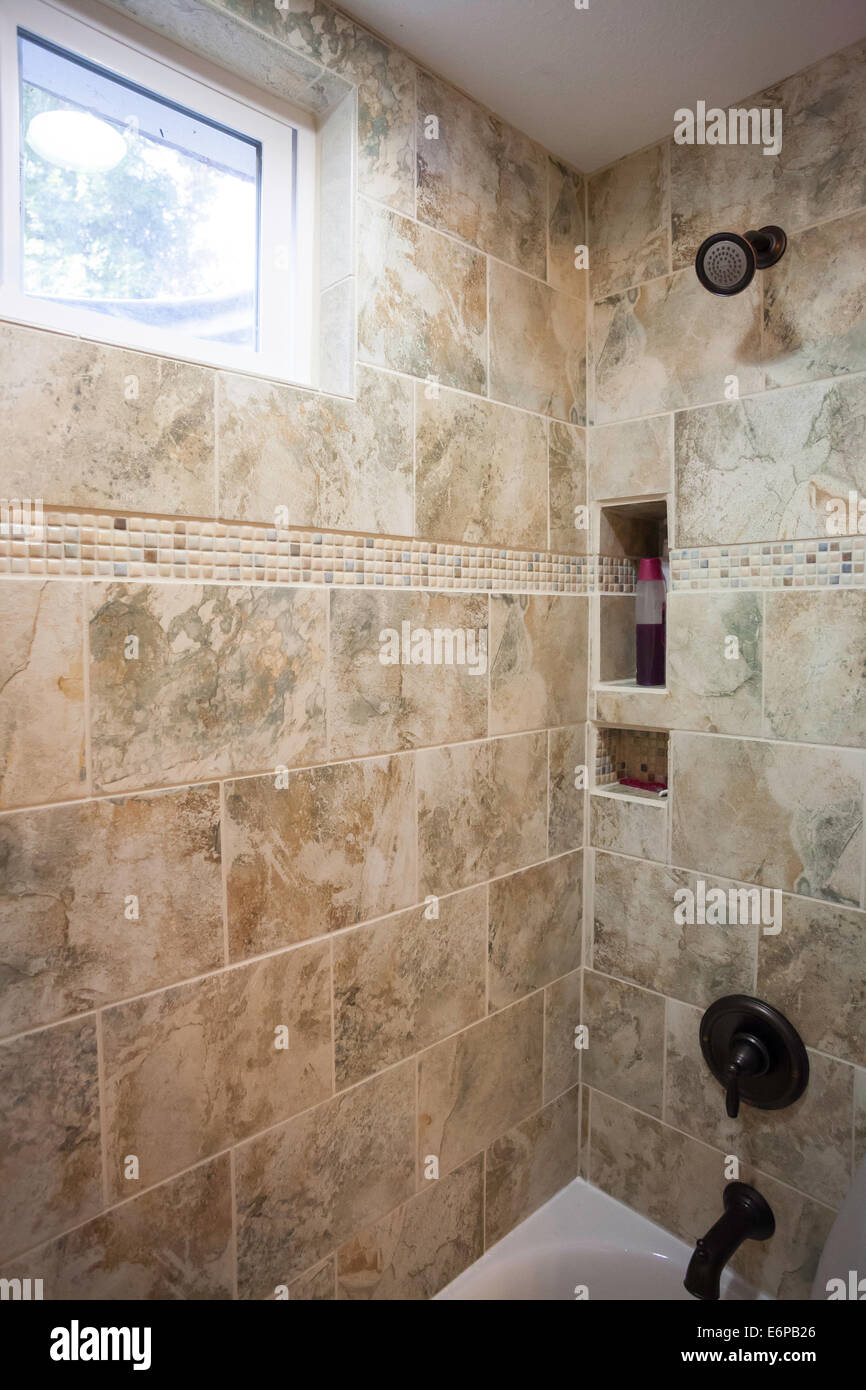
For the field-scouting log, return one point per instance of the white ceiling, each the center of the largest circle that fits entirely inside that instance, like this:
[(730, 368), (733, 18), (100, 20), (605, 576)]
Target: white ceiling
[(592, 85)]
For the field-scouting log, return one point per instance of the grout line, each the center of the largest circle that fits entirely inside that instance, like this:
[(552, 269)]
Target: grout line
[(234, 1221)]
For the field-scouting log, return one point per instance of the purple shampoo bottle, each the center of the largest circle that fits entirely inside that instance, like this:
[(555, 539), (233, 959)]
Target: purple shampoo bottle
[(650, 619)]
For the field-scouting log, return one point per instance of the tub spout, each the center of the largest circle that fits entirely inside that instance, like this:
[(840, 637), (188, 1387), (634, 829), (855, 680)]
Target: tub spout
[(747, 1216)]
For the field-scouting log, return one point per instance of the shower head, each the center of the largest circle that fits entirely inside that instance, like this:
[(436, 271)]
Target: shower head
[(726, 262)]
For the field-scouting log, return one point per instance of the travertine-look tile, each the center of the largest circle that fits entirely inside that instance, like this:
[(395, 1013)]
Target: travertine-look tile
[(636, 937), (566, 228), (535, 921), (714, 662), (172, 1243), (479, 178), (678, 1182), (638, 828), (405, 982), (815, 304), (617, 660), (644, 363), (815, 680), (632, 459), (326, 461), (317, 1285), (475, 1086), (115, 428), (808, 1144), (71, 876), (529, 1164), (421, 301), (332, 847), (859, 1115), (562, 1016), (625, 1053), (337, 375), (481, 810), (226, 679), (376, 707), (538, 650), (42, 754), (629, 235), (817, 174), (765, 468), (567, 463), (793, 815), (418, 1249), (50, 1156), (567, 757), (307, 1186), (537, 346), (815, 972), (193, 1069), (480, 471)]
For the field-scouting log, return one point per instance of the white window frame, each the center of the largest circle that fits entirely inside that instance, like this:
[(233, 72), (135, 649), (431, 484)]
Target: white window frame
[(287, 318)]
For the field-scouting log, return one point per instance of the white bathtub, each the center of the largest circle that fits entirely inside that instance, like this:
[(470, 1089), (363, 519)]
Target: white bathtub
[(582, 1237)]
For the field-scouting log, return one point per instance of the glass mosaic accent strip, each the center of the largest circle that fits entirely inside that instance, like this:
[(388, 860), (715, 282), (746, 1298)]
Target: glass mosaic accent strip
[(816, 564), (72, 544)]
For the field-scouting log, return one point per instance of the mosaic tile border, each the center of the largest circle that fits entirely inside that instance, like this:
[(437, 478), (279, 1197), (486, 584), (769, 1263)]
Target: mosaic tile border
[(107, 545), (72, 544), (801, 564), (639, 753)]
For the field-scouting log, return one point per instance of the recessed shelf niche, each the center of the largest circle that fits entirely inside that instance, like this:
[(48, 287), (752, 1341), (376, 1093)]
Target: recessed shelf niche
[(636, 753), (637, 530)]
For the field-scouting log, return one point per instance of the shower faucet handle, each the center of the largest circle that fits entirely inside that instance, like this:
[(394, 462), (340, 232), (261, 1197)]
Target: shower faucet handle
[(748, 1057)]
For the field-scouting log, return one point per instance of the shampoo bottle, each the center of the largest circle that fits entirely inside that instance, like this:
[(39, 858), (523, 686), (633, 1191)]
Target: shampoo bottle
[(650, 619)]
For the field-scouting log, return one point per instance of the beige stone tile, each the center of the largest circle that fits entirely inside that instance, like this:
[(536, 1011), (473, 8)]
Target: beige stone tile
[(116, 429), (859, 1115), (337, 375), (174, 1242), (636, 937), (538, 653), (529, 1164), (807, 1144), (480, 471), (535, 928), (818, 173), (227, 679), (482, 810), (815, 972), (66, 941), (815, 681), (711, 690), (375, 707), (629, 233), (50, 1154), (480, 1083), (193, 1069), (566, 754), (633, 459), (42, 751), (625, 1054), (335, 146), (308, 1185), (815, 304), (585, 1094), (479, 178), (421, 301), (765, 468), (537, 346), (318, 1285), (418, 1249), (334, 847), (678, 1182), (644, 363), (566, 228), (562, 1015), (617, 660), (638, 828), (405, 982), (327, 461), (567, 485), (793, 816)]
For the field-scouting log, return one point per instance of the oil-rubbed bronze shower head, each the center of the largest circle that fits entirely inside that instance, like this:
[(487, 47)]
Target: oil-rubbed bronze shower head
[(726, 262)]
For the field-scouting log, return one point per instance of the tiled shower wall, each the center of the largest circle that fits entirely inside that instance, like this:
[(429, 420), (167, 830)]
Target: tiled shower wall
[(767, 756), (226, 826)]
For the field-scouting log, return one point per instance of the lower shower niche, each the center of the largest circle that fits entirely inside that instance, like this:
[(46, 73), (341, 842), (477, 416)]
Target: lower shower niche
[(631, 763)]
